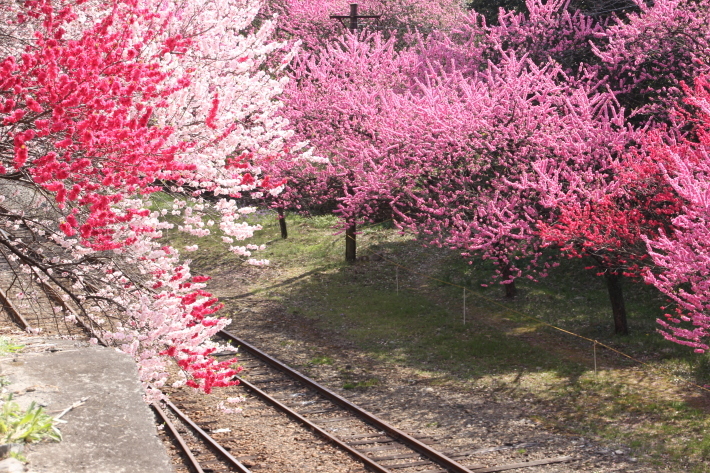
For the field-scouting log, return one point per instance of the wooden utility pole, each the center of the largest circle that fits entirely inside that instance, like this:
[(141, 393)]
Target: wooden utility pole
[(350, 231), (353, 17)]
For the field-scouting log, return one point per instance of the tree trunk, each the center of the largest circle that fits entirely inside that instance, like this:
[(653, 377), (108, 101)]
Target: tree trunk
[(510, 290), (282, 223), (350, 244), (618, 308)]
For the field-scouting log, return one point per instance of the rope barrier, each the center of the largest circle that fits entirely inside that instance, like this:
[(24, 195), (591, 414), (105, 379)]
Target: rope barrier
[(530, 317), (560, 329)]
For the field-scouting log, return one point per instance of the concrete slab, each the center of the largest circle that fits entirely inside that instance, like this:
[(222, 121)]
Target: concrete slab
[(112, 432)]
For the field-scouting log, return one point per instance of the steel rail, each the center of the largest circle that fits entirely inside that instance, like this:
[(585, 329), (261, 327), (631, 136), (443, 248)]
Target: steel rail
[(433, 455), (54, 297), (360, 456), (51, 294), (212, 442), (12, 310), (176, 435)]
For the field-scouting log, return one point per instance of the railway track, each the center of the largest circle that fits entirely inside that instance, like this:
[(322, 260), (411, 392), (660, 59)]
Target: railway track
[(373, 443), (377, 445), (201, 452)]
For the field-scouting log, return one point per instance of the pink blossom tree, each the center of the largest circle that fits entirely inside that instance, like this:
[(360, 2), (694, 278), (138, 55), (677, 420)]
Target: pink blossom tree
[(310, 22), (384, 118), (480, 137), (101, 105), (314, 186), (332, 102), (446, 152), (605, 217), (681, 254), (483, 194), (649, 53)]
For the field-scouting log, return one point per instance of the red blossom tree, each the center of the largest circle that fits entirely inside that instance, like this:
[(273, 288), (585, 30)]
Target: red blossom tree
[(101, 105), (631, 202)]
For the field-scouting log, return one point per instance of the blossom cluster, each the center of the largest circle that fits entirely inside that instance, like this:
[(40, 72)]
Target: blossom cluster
[(541, 130), (104, 103)]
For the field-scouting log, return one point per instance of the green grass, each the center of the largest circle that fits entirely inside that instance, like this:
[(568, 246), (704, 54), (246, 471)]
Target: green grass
[(407, 318), (322, 360), (361, 384), (8, 346), (411, 328), (18, 425)]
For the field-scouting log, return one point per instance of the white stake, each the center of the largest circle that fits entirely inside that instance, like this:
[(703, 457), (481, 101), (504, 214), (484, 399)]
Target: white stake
[(464, 306)]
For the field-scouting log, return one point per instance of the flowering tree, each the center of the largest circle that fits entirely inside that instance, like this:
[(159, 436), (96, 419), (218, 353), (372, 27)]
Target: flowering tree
[(386, 118), (482, 137), (486, 197), (681, 254), (609, 220), (310, 22), (313, 185), (604, 217), (103, 104), (333, 102), (342, 92), (647, 54), (447, 152)]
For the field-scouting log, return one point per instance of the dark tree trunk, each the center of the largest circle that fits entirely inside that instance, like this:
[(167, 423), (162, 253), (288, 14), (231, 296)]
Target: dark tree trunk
[(282, 223), (618, 308), (350, 244), (510, 290)]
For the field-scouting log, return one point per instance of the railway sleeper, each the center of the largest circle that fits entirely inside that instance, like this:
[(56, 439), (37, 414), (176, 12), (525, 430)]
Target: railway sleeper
[(396, 457)]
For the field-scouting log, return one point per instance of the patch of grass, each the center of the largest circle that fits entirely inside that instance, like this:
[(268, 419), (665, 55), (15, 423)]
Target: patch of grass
[(8, 346), (361, 384), (313, 243), (658, 429), (322, 360), (18, 456), (414, 329), (26, 425)]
